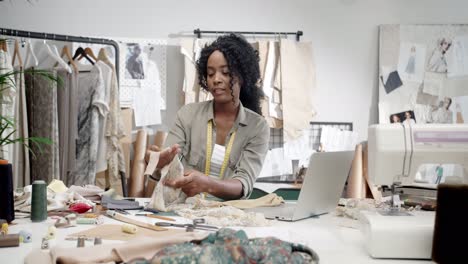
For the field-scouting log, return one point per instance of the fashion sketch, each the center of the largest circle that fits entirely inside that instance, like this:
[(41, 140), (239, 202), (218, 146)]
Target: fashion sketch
[(438, 60), (410, 66)]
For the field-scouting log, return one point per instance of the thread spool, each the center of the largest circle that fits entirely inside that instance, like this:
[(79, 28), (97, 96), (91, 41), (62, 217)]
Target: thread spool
[(80, 242), (25, 236), (51, 232), (39, 201), (97, 241), (11, 240), (7, 207), (129, 228)]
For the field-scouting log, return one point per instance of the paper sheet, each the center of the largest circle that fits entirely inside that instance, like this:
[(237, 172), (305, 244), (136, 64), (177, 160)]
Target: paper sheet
[(457, 57), (147, 101)]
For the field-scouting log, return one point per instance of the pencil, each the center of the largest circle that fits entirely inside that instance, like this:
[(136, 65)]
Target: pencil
[(159, 217)]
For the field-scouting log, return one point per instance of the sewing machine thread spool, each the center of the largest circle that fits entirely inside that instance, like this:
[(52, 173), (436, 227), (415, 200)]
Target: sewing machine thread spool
[(129, 228), (39, 201), (450, 222)]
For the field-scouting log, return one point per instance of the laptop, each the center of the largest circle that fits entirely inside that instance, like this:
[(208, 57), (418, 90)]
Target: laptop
[(321, 189)]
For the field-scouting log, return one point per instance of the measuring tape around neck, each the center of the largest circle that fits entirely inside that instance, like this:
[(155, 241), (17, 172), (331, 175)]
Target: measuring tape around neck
[(209, 150)]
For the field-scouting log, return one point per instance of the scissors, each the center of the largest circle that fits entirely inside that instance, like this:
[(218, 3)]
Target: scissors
[(190, 227)]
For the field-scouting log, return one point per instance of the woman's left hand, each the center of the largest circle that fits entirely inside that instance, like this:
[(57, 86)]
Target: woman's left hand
[(193, 183)]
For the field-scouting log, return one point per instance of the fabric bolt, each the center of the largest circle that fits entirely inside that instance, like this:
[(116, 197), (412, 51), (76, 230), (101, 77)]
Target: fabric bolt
[(67, 121), (21, 170), (297, 84), (41, 96), (91, 109), (248, 151)]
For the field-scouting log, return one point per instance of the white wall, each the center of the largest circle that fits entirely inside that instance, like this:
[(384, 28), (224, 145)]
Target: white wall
[(344, 33)]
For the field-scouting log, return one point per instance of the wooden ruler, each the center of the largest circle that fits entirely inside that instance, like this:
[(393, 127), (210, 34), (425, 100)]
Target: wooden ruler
[(129, 220)]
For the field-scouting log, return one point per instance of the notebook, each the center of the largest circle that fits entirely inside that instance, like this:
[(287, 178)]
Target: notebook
[(321, 190)]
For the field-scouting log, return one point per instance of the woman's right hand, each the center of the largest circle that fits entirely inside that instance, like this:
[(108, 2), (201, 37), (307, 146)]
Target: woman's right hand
[(165, 156)]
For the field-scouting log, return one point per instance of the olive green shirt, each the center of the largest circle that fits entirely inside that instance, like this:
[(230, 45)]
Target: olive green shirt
[(248, 151)]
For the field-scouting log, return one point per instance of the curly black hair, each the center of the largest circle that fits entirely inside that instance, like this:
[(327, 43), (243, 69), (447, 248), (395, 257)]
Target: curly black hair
[(242, 61)]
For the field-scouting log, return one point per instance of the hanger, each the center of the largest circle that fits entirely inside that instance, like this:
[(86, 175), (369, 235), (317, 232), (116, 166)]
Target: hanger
[(30, 55), (102, 56), (90, 53), (3, 45), (66, 52), (54, 55), (81, 51), (16, 53)]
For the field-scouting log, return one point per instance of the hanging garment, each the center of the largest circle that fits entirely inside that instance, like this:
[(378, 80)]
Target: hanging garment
[(67, 121), (101, 162), (21, 169), (41, 97), (298, 84), (90, 111), (114, 132), (272, 105), (7, 99), (191, 49)]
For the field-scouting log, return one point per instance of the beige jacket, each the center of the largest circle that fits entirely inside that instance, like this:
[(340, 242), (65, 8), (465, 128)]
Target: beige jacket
[(248, 151)]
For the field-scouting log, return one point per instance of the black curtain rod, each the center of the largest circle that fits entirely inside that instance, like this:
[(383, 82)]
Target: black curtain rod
[(38, 35), (57, 37), (198, 32)]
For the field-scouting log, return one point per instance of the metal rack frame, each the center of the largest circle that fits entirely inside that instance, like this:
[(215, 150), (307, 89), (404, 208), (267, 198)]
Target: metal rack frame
[(67, 38), (198, 32)]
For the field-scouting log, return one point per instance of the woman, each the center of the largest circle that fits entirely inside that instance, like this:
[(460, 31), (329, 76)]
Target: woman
[(230, 126)]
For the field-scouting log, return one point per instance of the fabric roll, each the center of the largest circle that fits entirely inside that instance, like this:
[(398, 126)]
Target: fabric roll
[(297, 86), (137, 179), (356, 182), (41, 96), (7, 209)]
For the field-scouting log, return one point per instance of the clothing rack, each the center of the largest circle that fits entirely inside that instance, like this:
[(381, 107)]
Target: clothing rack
[(67, 38), (198, 32)]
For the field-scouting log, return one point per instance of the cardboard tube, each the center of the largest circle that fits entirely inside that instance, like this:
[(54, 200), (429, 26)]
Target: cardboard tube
[(356, 182), (159, 138), (137, 179)]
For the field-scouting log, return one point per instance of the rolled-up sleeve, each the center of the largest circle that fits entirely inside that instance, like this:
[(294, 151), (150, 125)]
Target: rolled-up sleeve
[(252, 156)]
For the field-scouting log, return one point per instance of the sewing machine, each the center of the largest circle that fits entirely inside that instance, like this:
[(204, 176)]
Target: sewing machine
[(395, 153)]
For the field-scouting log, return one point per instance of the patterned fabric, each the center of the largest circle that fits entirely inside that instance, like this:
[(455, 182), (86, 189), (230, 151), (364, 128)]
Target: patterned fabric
[(90, 112), (230, 246), (41, 97)]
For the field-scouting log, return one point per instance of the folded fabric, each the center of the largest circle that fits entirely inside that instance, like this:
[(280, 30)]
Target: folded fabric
[(110, 203), (142, 248), (268, 200), (230, 246)]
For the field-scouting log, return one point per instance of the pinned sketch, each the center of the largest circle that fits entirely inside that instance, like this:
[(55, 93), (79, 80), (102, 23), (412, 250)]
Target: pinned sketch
[(411, 62), (390, 79), (438, 59), (434, 83), (457, 57)]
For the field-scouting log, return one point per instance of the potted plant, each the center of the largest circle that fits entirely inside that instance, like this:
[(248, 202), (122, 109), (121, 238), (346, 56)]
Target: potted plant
[(8, 137)]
